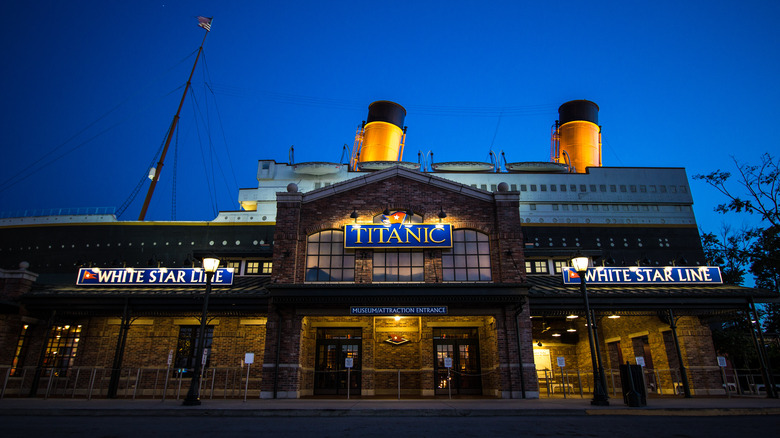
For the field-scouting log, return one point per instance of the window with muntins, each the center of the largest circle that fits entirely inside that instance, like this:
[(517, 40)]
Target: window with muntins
[(469, 258), (61, 349), (536, 266), (398, 266), (188, 343), (326, 258)]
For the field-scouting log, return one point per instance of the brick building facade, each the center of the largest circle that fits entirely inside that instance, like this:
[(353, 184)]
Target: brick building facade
[(494, 333)]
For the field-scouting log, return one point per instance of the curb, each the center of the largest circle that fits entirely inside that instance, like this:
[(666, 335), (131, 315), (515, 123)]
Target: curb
[(384, 412)]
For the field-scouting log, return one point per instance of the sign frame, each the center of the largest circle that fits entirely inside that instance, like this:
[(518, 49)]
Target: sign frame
[(152, 277), (398, 310), (397, 236), (678, 275)]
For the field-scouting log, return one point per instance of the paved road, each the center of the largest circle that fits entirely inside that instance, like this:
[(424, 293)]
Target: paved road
[(361, 427)]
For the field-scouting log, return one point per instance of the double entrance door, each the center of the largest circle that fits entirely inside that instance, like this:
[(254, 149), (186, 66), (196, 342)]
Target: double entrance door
[(334, 348), (461, 347)]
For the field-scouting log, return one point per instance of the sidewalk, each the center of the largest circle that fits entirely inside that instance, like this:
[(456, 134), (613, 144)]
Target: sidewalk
[(383, 407)]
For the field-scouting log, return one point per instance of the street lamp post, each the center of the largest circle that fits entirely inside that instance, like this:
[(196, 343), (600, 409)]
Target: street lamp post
[(600, 398), (210, 265)]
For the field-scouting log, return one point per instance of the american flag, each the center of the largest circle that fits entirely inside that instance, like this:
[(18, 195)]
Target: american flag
[(205, 23)]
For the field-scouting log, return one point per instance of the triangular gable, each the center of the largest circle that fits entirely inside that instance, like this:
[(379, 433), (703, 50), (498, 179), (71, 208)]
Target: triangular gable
[(396, 172)]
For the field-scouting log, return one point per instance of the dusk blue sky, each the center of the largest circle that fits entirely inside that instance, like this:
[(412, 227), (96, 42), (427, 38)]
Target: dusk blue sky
[(90, 88)]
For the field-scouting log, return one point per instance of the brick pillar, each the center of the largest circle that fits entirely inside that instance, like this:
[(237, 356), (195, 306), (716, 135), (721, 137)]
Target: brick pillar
[(17, 282), (509, 238), (699, 356), (281, 360), (288, 245)]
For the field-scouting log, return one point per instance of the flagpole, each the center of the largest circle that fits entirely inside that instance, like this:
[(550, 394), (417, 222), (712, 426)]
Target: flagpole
[(170, 135)]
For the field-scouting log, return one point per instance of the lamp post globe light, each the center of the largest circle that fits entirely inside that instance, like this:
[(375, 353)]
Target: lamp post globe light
[(600, 397), (210, 265)]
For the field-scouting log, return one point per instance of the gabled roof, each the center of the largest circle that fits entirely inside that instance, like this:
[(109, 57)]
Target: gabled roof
[(393, 172)]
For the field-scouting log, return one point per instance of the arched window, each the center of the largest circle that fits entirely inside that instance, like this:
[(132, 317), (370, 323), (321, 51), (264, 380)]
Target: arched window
[(469, 258), (326, 258)]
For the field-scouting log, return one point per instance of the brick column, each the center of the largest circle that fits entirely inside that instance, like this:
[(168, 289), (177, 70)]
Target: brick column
[(281, 359), (509, 238), (287, 236)]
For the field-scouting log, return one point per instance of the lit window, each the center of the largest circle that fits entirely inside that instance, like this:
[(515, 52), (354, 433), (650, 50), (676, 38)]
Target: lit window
[(235, 264), (536, 266), (61, 349), (267, 267), (20, 352), (188, 343), (326, 258), (469, 258), (558, 265), (398, 266)]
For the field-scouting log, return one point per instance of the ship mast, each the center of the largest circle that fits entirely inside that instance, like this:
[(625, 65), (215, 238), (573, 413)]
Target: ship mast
[(206, 25)]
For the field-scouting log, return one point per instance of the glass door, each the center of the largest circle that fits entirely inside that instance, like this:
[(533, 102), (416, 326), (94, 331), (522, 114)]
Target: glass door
[(461, 345), (334, 347)]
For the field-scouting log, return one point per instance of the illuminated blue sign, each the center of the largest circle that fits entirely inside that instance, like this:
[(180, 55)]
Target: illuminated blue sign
[(646, 275), (152, 276), (389, 310), (398, 236)]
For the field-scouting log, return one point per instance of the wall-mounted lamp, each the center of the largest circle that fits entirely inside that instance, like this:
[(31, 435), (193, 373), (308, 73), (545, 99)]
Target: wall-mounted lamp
[(441, 214), (354, 215)]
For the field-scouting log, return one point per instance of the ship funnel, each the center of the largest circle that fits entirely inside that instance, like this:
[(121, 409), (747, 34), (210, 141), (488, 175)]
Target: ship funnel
[(382, 137), (577, 135)]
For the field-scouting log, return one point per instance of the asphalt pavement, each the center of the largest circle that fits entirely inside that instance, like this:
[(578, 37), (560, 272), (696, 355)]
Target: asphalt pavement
[(365, 407)]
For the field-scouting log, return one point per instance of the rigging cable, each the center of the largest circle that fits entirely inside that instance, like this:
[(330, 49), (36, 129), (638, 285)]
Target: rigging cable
[(212, 153), (174, 170), (19, 176), (121, 209), (212, 195), (219, 117)]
